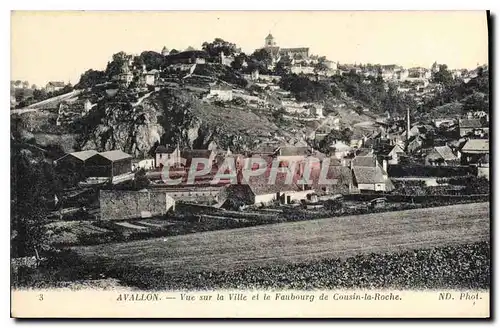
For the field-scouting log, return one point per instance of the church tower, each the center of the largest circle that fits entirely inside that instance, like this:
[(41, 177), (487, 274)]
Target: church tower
[(164, 51), (269, 41)]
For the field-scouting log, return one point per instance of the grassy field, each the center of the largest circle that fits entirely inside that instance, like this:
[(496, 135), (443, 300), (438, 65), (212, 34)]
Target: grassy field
[(304, 241)]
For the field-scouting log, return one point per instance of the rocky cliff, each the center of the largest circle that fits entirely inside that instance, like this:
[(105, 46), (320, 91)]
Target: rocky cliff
[(170, 116)]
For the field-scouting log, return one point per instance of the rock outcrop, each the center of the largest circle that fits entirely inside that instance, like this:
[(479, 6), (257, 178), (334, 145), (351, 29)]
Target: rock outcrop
[(170, 117)]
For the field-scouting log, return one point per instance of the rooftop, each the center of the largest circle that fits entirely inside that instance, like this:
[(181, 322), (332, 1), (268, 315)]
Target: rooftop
[(260, 184), (446, 153), (196, 153), (56, 84), (368, 175), (364, 161), (294, 151), (82, 155), (164, 149), (477, 146), (115, 155), (470, 123)]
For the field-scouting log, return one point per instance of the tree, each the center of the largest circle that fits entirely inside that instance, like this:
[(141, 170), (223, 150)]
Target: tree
[(342, 135), (278, 115), (141, 181), (19, 95), (477, 101), (33, 188), (152, 60), (26, 84), (115, 66), (304, 89), (320, 67), (262, 56), (280, 69), (39, 94), (443, 76), (190, 49), (173, 52), (90, 79), (34, 87), (237, 64), (218, 46)]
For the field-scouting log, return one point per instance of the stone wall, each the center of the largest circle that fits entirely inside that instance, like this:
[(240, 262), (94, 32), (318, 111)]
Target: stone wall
[(122, 205)]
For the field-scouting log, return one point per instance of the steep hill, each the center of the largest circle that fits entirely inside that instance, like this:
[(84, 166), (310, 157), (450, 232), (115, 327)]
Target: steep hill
[(137, 124)]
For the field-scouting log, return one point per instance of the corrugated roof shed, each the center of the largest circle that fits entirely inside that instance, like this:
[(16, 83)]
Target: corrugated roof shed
[(81, 155), (115, 155), (84, 154)]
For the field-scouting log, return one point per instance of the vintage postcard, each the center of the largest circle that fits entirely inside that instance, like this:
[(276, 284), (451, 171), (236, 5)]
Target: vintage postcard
[(232, 164)]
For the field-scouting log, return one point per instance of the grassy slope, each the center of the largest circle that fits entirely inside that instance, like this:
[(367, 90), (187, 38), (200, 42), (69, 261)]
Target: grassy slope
[(303, 241), (236, 120)]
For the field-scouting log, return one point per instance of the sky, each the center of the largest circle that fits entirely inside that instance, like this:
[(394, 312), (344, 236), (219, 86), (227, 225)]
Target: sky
[(60, 46)]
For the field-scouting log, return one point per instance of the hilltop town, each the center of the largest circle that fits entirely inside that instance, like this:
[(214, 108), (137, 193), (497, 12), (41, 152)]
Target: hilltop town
[(94, 155)]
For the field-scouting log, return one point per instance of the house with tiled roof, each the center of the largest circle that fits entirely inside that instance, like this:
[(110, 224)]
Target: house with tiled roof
[(416, 144), (288, 154), (263, 189), (53, 86), (474, 127), (442, 155), (368, 179), (365, 161), (338, 180), (391, 153), (167, 154), (369, 175), (476, 151)]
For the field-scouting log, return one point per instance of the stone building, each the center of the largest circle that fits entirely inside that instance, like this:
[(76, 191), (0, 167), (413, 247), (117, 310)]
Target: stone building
[(126, 204)]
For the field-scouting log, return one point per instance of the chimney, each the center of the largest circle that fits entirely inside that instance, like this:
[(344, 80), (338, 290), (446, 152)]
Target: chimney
[(384, 164), (408, 127)]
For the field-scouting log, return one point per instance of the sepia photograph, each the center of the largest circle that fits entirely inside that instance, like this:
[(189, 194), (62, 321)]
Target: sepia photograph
[(184, 164)]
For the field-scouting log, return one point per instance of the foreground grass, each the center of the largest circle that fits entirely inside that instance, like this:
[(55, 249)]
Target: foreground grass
[(301, 241), (464, 266), (461, 267)]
